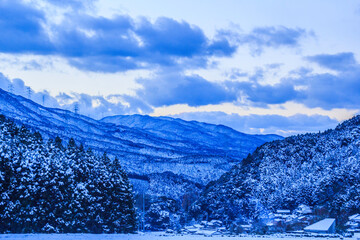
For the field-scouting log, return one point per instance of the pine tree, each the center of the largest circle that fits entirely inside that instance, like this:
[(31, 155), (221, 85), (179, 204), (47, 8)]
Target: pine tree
[(46, 187)]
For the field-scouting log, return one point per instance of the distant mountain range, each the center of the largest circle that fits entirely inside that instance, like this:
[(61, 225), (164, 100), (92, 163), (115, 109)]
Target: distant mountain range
[(146, 146)]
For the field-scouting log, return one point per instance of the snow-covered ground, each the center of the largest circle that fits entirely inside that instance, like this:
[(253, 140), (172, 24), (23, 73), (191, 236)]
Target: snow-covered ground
[(149, 236)]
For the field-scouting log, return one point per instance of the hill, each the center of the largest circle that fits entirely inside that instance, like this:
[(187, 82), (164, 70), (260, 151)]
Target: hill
[(314, 169)]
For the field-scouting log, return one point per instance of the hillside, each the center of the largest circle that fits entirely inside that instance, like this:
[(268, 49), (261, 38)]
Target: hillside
[(145, 145), (313, 169)]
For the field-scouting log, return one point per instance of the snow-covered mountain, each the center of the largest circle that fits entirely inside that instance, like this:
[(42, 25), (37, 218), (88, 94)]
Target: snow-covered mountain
[(145, 145), (319, 170)]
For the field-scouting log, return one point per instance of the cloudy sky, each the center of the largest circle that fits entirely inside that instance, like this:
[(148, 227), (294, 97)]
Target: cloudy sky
[(278, 66)]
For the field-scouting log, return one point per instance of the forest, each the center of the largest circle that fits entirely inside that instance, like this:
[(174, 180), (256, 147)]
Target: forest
[(47, 186)]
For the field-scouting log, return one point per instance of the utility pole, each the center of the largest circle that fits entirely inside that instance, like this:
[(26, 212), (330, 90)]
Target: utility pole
[(143, 217)]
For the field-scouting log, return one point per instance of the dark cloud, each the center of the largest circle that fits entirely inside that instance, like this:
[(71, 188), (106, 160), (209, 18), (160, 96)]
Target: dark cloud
[(266, 124), (324, 90), (101, 44), (327, 90), (340, 62), (176, 88), (262, 94), (104, 64), (21, 29), (269, 94), (169, 37), (121, 43), (96, 37), (331, 91)]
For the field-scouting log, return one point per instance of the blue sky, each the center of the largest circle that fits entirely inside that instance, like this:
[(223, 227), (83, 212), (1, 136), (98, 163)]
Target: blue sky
[(283, 67)]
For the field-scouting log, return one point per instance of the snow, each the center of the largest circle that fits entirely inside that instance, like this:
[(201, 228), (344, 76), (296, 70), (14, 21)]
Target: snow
[(283, 211), (148, 236), (323, 225), (355, 218), (144, 144)]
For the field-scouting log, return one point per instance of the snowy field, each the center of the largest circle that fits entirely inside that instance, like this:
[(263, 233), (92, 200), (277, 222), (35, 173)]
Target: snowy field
[(149, 236)]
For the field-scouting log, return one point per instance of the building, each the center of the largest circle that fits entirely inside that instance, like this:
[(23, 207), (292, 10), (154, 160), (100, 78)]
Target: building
[(354, 223), (326, 225), (303, 210)]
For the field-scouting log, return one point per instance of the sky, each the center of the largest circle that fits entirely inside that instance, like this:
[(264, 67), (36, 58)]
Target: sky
[(269, 67)]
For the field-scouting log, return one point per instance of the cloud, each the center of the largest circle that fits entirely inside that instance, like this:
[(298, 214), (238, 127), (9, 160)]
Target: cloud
[(74, 4), (92, 106), (32, 65), (196, 91), (259, 93), (21, 28), (331, 91), (270, 94), (104, 64), (170, 37), (121, 43), (340, 62), (324, 90), (172, 88), (236, 73), (100, 44), (265, 124), (272, 37)]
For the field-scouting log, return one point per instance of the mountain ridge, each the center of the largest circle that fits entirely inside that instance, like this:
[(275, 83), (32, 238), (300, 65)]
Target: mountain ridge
[(198, 150)]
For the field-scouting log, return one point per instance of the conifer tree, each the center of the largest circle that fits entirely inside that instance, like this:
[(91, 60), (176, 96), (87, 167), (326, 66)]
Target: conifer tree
[(46, 187)]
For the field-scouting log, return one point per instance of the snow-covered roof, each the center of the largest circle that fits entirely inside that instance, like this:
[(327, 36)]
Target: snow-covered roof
[(304, 209), (283, 211), (216, 221), (246, 226), (198, 226), (355, 218), (321, 226)]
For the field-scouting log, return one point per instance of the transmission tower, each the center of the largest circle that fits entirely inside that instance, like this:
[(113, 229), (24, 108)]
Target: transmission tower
[(11, 88), (29, 92), (76, 108)]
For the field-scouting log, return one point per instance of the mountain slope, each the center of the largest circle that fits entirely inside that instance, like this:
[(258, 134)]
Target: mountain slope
[(144, 145), (313, 169), (235, 144)]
